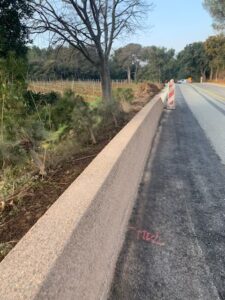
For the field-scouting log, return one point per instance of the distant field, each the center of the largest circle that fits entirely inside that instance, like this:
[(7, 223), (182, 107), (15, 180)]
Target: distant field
[(90, 90)]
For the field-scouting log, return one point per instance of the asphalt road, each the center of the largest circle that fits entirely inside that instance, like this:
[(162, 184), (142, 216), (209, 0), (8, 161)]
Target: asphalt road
[(175, 242)]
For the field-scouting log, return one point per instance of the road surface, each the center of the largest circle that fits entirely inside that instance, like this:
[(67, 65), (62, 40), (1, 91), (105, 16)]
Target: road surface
[(175, 242)]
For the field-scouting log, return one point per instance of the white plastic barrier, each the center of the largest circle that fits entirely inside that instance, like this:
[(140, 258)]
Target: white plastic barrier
[(171, 95)]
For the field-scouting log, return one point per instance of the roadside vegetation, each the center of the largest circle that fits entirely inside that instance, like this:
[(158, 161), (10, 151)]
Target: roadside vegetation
[(49, 132), (59, 106), (46, 143)]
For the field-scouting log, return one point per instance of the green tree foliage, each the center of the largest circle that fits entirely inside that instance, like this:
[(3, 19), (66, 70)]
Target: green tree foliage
[(160, 64), (215, 49), (193, 61), (124, 95), (13, 30), (128, 58), (129, 62), (66, 63), (61, 112), (59, 63), (217, 10), (12, 87), (146, 63), (85, 120), (15, 124)]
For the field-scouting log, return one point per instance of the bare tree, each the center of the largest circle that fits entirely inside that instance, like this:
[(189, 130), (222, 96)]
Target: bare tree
[(91, 26)]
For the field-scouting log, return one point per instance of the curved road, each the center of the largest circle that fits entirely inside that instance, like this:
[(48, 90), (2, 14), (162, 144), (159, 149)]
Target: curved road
[(175, 242)]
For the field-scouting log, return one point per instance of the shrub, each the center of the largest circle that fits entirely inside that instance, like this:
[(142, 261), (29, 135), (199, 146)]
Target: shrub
[(11, 154), (62, 111), (124, 94), (34, 100), (86, 120)]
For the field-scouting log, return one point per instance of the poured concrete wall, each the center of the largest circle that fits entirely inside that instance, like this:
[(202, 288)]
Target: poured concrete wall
[(71, 252)]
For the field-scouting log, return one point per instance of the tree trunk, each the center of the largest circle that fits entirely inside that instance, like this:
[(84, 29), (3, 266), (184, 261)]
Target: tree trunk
[(211, 73), (106, 82), (2, 117), (128, 74), (159, 75), (203, 74), (217, 71), (135, 73)]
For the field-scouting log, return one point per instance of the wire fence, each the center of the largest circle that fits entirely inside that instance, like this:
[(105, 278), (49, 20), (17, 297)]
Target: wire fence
[(91, 89)]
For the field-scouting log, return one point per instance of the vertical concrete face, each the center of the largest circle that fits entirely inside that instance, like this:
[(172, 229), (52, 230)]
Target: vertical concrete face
[(71, 252)]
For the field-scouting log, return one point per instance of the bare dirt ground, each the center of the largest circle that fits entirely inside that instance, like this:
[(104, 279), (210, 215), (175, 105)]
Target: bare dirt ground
[(16, 221)]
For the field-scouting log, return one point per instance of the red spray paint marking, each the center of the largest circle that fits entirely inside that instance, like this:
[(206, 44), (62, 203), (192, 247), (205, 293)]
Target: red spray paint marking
[(147, 236)]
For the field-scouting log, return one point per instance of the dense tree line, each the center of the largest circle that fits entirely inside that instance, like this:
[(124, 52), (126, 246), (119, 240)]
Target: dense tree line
[(205, 59), (133, 62), (59, 63)]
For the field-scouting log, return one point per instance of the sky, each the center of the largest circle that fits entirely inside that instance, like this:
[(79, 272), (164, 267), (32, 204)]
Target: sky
[(174, 24), (171, 24)]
